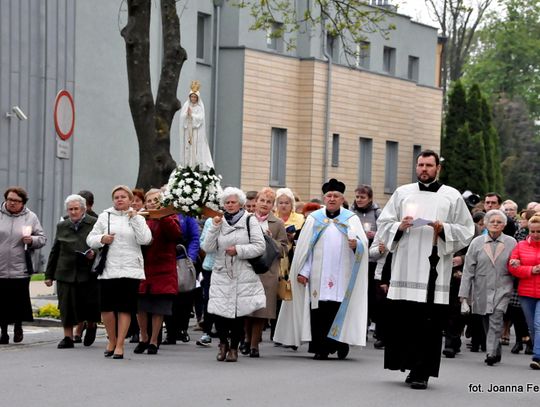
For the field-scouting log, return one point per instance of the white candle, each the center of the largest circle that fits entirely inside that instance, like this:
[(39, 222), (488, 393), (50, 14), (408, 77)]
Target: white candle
[(367, 226), (410, 209), (26, 231)]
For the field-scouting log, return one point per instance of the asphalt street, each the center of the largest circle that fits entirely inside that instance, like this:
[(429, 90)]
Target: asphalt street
[(37, 373)]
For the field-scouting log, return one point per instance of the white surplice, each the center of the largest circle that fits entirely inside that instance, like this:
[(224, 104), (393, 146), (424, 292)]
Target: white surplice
[(410, 262)]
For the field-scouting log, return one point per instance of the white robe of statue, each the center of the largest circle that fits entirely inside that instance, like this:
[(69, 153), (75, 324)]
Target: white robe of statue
[(195, 148)]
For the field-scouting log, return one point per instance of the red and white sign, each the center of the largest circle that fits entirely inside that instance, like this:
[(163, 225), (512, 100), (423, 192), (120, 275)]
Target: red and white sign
[(64, 114)]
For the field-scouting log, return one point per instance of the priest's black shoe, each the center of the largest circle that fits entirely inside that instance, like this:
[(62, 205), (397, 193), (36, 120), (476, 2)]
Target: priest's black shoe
[(343, 351), (321, 356), (449, 353), (419, 384)]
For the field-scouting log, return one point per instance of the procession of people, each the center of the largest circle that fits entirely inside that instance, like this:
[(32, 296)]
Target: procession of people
[(318, 280)]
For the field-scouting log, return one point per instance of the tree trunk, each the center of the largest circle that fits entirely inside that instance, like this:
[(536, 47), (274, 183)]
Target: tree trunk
[(152, 121)]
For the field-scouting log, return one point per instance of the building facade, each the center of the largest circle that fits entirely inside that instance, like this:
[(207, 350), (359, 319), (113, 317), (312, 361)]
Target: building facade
[(275, 116)]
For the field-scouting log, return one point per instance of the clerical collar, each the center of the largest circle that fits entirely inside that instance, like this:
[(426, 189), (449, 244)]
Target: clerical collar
[(332, 215), (432, 187)]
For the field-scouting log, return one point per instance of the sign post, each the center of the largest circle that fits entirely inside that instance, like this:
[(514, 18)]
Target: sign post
[(64, 123)]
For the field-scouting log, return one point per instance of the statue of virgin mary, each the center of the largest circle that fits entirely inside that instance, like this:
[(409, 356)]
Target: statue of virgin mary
[(193, 129)]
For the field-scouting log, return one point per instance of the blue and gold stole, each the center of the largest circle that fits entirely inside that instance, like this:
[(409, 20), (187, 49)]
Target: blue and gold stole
[(321, 223)]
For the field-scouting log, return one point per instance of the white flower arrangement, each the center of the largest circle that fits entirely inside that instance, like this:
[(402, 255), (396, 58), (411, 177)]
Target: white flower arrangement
[(190, 189)]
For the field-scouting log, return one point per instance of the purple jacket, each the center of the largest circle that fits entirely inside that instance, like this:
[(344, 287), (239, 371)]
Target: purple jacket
[(190, 237)]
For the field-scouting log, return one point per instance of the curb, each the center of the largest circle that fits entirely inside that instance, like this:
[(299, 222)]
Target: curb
[(47, 322)]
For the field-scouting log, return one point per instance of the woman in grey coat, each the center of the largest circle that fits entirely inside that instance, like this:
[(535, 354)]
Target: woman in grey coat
[(486, 283), (20, 234), (235, 289)]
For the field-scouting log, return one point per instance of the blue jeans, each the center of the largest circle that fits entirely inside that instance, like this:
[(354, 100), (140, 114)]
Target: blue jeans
[(531, 309)]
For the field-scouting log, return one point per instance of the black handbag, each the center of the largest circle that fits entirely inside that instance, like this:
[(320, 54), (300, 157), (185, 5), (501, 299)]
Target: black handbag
[(101, 258), (262, 263)]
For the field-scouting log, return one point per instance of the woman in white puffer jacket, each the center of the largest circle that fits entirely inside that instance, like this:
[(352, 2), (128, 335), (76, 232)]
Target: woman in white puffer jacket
[(124, 231), (235, 289)]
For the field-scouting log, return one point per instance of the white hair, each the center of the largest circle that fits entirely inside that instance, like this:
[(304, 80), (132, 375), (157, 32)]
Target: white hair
[(495, 212), (75, 198), (287, 192), (230, 191)]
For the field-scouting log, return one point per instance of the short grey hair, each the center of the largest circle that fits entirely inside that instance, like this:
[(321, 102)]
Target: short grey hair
[(230, 191), (495, 212), (511, 203), (75, 198)]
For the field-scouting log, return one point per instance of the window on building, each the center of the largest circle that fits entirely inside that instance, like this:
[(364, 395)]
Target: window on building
[(332, 46), (362, 51), (274, 37), (389, 60), (335, 150), (203, 36), (417, 149), (412, 71), (364, 162), (390, 174), (278, 157)]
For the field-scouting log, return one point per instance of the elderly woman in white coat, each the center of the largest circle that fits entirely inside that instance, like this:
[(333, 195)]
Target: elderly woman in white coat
[(486, 283), (124, 231), (235, 289)]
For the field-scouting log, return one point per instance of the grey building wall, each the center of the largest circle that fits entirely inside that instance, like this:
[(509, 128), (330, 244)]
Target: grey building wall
[(37, 42)]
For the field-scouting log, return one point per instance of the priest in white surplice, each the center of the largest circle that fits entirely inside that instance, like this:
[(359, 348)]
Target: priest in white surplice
[(414, 323), (329, 281)]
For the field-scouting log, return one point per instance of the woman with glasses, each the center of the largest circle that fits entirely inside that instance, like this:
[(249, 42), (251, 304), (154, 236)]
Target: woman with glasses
[(486, 285), (20, 234)]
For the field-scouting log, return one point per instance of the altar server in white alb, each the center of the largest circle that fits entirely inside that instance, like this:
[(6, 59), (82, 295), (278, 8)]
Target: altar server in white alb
[(406, 226), (329, 281)]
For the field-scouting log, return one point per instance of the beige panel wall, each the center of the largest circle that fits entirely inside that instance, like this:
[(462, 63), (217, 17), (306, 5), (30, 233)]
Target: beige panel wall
[(289, 93)]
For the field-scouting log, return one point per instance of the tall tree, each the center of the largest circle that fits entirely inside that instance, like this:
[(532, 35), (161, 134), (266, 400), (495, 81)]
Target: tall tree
[(519, 149), (153, 120), (453, 121), (493, 155), (506, 57), (458, 20)]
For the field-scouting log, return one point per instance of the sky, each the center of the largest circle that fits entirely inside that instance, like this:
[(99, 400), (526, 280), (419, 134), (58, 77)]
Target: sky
[(416, 9)]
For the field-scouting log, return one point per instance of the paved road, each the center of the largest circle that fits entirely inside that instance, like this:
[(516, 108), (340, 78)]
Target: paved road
[(36, 373)]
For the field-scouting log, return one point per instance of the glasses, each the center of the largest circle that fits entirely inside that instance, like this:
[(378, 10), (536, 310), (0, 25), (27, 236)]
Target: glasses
[(14, 200)]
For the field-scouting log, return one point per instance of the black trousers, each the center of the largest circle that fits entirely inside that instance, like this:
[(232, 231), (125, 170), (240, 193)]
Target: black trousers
[(414, 337), (230, 328), (321, 322)]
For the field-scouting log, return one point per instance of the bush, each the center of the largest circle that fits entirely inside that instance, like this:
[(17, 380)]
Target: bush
[(49, 311)]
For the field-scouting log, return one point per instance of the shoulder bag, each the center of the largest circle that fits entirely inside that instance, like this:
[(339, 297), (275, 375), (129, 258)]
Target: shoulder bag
[(187, 275), (101, 258), (262, 263)]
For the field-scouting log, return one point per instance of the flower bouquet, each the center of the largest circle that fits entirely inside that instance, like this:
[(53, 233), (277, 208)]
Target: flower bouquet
[(191, 191)]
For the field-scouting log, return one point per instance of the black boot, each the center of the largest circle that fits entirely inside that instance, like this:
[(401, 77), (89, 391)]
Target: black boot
[(518, 347), (529, 347)]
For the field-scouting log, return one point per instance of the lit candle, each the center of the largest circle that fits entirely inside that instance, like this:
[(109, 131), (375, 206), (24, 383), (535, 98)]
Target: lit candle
[(410, 209), (26, 232), (367, 226)]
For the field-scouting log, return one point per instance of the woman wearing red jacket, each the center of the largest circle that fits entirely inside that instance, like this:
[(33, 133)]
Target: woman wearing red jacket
[(157, 291), (525, 264)]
